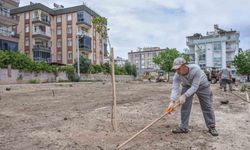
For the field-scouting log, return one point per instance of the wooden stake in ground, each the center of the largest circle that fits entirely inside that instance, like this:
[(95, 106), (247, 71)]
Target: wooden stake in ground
[(113, 118), (152, 123), (247, 96)]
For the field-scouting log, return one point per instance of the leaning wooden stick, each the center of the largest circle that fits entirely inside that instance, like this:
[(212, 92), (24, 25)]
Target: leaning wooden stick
[(156, 120)]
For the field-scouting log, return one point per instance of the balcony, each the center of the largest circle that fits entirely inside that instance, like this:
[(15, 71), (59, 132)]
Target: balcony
[(5, 32), (43, 20), (8, 35), (7, 19), (230, 49), (41, 53), (229, 58), (84, 19), (190, 43), (41, 33), (85, 43), (190, 52)]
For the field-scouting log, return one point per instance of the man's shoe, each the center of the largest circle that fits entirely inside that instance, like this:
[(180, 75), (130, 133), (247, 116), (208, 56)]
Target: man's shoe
[(213, 131), (179, 130)]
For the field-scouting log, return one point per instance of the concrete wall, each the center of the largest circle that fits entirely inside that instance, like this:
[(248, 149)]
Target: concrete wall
[(103, 77), (15, 76)]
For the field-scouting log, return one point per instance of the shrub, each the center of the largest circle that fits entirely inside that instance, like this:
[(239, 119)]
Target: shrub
[(70, 71), (35, 81), (95, 69)]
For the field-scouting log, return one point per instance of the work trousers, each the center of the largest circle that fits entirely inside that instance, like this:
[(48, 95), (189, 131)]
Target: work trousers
[(205, 96), (224, 83)]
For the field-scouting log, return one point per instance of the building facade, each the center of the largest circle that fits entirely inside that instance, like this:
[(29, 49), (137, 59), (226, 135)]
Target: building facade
[(120, 61), (143, 59), (51, 34), (8, 26), (216, 49)]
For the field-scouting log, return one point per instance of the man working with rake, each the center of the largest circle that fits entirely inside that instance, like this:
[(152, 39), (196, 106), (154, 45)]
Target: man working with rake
[(193, 81)]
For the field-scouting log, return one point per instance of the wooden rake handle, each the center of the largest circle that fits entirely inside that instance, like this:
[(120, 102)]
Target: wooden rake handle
[(152, 123)]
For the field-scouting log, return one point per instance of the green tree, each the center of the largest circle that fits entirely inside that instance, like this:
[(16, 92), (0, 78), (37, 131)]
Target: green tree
[(106, 68), (100, 23), (165, 59), (95, 69), (85, 64), (242, 63), (130, 69), (120, 70)]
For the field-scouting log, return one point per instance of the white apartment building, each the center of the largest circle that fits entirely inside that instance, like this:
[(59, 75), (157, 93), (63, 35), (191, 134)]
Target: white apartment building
[(216, 49)]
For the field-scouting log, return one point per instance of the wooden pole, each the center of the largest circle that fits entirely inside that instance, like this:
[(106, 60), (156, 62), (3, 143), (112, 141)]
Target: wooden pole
[(247, 96), (234, 93), (113, 118), (152, 123)]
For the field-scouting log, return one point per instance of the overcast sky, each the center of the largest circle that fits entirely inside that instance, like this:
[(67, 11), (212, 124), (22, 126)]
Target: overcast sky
[(164, 23)]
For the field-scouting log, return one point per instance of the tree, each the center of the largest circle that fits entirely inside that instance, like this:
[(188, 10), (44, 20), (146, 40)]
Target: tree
[(130, 69), (100, 23), (165, 59), (242, 63), (85, 64)]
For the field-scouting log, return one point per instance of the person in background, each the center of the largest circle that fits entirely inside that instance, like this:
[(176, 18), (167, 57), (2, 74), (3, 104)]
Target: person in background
[(226, 78)]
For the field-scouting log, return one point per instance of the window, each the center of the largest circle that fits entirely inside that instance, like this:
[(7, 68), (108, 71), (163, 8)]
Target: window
[(59, 43), (217, 46), (202, 57), (94, 44), (27, 42), (59, 55), (69, 17), (27, 28), (27, 15), (59, 30), (59, 19), (69, 42), (69, 29), (70, 56), (83, 16), (94, 57)]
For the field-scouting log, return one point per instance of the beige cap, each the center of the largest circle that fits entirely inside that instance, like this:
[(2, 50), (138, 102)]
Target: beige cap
[(178, 62)]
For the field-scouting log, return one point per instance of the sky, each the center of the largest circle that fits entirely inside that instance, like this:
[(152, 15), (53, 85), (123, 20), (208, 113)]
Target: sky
[(164, 23)]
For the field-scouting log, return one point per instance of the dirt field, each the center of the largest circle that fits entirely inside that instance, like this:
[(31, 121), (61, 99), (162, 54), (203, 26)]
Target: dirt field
[(77, 117)]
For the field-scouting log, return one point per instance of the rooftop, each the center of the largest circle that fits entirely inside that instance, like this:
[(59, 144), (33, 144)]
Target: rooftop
[(217, 31), (52, 12)]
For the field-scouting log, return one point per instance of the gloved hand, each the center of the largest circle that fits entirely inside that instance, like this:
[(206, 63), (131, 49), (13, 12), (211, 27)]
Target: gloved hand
[(182, 99), (170, 106)]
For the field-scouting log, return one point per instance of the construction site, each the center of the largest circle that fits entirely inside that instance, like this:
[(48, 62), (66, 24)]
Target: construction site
[(77, 116)]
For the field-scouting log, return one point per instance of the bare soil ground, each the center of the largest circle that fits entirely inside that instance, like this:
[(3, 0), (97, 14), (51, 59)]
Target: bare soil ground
[(77, 117)]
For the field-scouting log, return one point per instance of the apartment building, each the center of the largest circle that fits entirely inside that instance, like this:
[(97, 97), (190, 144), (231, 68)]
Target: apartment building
[(143, 59), (8, 24), (216, 49), (120, 61), (51, 34)]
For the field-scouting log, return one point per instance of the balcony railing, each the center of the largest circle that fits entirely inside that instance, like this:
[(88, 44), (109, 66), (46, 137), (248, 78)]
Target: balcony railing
[(41, 48), (230, 49), (45, 20), (5, 32), (41, 53), (40, 32), (85, 43)]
